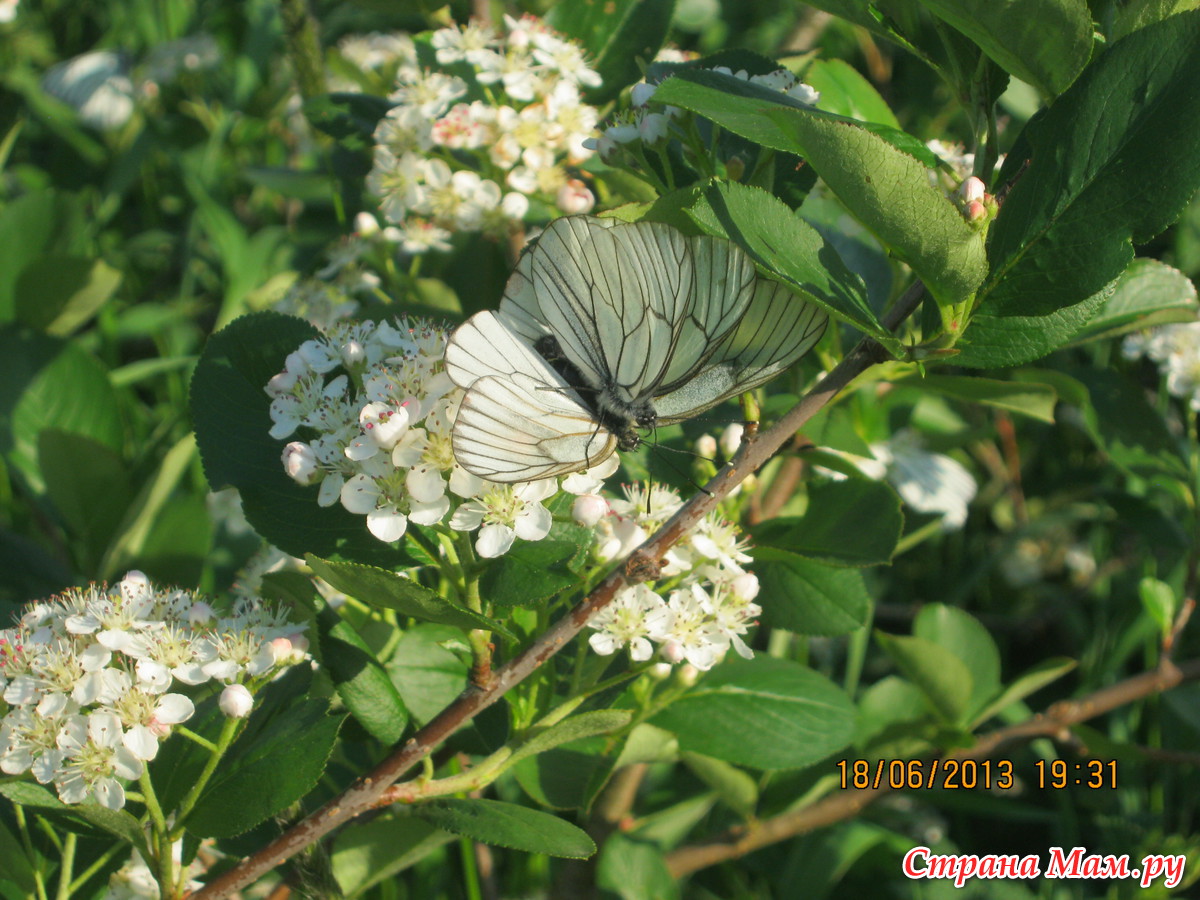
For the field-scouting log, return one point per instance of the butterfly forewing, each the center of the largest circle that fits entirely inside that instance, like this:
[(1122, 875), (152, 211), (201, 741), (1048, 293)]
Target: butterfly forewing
[(517, 428)]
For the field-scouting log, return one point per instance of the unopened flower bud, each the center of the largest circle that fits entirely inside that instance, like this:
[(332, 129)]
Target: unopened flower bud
[(972, 190), (640, 93), (589, 509), (300, 463), (660, 671), (745, 586), (687, 675), (574, 198), (976, 211), (735, 168), (731, 439), (366, 225), (706, 446), (236, 701), (672, 652)]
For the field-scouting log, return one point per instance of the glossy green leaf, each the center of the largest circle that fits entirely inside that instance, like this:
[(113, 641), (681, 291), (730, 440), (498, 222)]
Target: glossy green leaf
[(230, 411), (1023, 398), (58, 294), (855, 522), (809, 597), (635, 870), (562, 778), (1124, 424), (48, 383), (1113, 162), (366, 853), (360, 679), (508, 825), (788, 248), (846, 92), (765, 713), (1148, 293), (529, 574), (387, 590), (942, 676), (1037, 677), (89, 485), (267, 771), (736, 789), (1159, 602), (118, 823), (882, 184), (1045, 43), (963, 635), (574, 728), (427, 675), (1137, 14)]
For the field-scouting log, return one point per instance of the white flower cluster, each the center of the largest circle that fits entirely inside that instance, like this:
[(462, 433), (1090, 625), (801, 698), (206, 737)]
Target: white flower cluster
[(710, 596), (88, 677), (650, 122), (468, 154), (1176, 351), (381, 444)]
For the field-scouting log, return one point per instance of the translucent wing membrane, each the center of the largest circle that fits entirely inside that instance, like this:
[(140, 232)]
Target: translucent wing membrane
[(776, 330), (518, 428), (652, 325)]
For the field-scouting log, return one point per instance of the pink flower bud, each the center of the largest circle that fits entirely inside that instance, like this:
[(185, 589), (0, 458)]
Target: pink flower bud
[(236, 701), (972, 190), (574, 198), (589, 509), (976, 211), (672, 652), (300, 463)]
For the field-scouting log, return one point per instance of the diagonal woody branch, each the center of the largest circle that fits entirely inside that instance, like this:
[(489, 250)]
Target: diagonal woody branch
[(368, 791)]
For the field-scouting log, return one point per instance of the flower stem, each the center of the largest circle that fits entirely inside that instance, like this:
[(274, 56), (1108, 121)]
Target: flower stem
[(192, 736), (30, 855), (228, 732), (66, 866)]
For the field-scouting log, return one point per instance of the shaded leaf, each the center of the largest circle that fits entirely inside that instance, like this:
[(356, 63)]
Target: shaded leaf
[(809, 597), (508, 825)]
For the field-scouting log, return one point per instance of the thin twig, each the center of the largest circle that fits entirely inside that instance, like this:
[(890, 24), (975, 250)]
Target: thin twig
[(1053, 723), (365, 793)]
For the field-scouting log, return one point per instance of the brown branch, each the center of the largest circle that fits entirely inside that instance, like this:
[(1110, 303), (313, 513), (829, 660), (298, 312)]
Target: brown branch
[(1056, 720), (365, 793)]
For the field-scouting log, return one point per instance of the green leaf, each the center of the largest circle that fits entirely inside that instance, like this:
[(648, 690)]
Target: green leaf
[(964, 636), (89, 485), (230, 411), (508, 825), (41, 221), (115, 822), (48, 383), (942, 676), (58, 294), (845, 92), (736, 789), (809, 597), (529, 574), (428, 676), (788, 248), (1124, 424), (1045, 43), (1025, 398), (587, 724), (635, 870), (1147, 293), (366, 854), (1036, 678), (387, 590), (347, 117), (360, 679), (1113, 162), (646, 743), (310, 186), (886, 188), (855, 522), (1139, 13), (618, 34), (267, 771), (1160, 602), (561, 778), (764, 712)]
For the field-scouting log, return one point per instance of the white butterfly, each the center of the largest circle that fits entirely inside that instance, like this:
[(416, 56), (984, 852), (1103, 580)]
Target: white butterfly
[(607, 327)]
